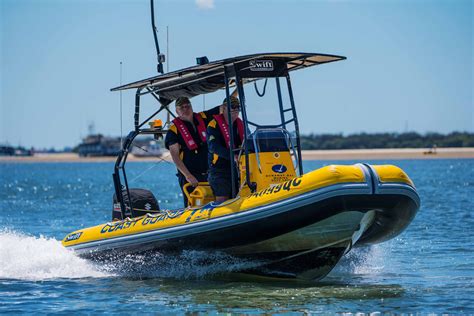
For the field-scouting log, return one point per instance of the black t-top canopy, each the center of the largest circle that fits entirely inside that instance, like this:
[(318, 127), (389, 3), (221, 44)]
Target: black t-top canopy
[(210, 77)]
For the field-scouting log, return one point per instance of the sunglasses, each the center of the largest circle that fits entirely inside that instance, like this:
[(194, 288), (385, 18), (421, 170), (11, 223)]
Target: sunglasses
[(234, 107)]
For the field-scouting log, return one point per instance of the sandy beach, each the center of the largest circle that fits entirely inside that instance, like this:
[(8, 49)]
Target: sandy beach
[(343, 154)]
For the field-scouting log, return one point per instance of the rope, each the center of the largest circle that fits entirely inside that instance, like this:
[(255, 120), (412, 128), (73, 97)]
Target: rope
[(264, 88), (152, 166)]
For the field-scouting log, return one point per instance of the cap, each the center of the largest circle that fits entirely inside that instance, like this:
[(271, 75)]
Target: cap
[(235, 103), (182, 100)]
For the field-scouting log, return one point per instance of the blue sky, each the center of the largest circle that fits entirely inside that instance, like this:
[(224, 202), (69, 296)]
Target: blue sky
[(409, 66)]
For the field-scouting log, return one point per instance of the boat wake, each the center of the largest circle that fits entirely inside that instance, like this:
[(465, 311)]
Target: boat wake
[(188, 264), (26, 257), (33, 258)]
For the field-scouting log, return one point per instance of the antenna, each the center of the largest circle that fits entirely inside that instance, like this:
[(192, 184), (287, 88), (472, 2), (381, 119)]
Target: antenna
[(121, 117), (91, 128), (160, 57), (168, 116), (167, 50)]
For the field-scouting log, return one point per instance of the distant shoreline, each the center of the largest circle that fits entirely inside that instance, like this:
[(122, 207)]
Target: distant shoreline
[(389, 154), (342, 154)]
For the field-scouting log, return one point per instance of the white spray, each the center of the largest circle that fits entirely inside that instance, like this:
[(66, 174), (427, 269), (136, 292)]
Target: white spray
[(25, 257)]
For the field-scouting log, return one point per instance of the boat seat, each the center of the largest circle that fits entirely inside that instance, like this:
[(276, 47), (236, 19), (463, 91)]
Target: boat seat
[(200, 195)]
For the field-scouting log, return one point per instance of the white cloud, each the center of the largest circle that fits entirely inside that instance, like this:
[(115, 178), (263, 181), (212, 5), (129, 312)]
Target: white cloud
[(205, 4)]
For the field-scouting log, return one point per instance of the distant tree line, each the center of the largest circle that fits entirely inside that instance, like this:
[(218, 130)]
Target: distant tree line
[(386, 140)]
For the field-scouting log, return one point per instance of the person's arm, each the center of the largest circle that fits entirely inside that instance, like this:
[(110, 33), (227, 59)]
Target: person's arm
[(216, 110), (172, 144), (209, 114), (214, 143), (174, 151)]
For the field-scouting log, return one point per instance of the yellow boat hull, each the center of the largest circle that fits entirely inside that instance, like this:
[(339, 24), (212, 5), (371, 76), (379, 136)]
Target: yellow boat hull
[(299, 228)]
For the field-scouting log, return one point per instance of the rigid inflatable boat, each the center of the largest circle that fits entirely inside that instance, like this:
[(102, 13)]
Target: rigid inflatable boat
[(292, 224), (298, 228)]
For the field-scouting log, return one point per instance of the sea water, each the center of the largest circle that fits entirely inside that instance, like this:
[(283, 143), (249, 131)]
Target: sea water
[(429, 268)]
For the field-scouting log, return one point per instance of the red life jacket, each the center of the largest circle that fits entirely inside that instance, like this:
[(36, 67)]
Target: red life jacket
[(224, 127), (188, 138)]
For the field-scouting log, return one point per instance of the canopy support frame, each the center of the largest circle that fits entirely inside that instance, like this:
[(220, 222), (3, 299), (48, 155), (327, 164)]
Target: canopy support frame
[(231, 129), (119, 168), (252, 185), (232, 76), (297, 128)]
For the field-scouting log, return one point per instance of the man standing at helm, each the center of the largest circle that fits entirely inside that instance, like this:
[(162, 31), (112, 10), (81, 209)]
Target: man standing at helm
[(186, 141), (218, 140)]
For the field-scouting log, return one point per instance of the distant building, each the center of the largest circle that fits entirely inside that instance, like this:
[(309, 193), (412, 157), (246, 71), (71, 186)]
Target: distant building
[(99, 145), (7, 150)]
